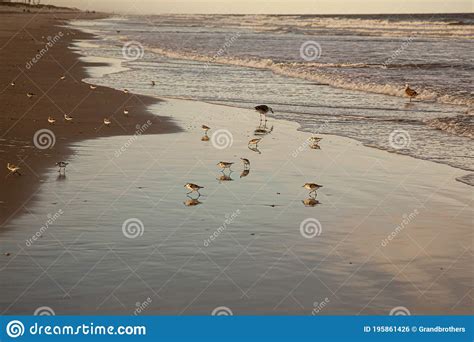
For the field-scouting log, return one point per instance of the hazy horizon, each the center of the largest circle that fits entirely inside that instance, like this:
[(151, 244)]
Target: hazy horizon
[(270, 6)]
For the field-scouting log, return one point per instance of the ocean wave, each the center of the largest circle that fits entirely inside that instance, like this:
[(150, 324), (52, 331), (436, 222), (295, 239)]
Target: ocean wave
[(315, 72), (462, 125)]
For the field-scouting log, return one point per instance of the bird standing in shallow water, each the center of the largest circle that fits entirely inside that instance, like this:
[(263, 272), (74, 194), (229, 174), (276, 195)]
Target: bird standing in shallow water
[(193, 188), (205, 128), (62, 165), (263, 110), (255, 142), (312, 187), (13, 169), (225, 165), (411, 93)]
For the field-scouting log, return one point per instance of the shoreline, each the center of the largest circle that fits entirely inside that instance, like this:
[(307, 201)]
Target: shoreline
[(36, 50)]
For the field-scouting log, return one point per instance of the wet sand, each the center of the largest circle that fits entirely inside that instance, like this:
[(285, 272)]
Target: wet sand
[(259, 262), (22, 37)]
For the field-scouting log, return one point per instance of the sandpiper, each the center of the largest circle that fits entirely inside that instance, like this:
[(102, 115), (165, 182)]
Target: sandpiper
[(193, 188), (205, 128), (411, 93), (12, 83), (92, 87), (62, 165), (312, 187), (107, 121), (255, 141), (13, 169), (153, 83), (51, 120), (30, 95), (125, 111), (68, 118), (315, 139), (62, 77), (246, 163), (224, 165), (263, 110), (125, 91)]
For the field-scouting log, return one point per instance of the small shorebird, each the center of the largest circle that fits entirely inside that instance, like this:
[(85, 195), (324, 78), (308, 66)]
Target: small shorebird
[(107, 121), (263, 110), (62, 78), (193, 188), (205, 128), (246, 163), (12, 83), (30, 95), (411, 93), (224, 165), (125, 111), (255, 141), (92, 87), (312, 187), (62, 165), (153, 83), (125, 91), (13, 169), (315, 139), (67, 118), (51, 120)]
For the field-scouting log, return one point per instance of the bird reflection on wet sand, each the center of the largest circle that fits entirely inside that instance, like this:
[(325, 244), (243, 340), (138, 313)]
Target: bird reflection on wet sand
[(191, 202), (244, 173), (262, 129), (224, 177), (315, 146), (205, 137), (310, 202), (254, 149)]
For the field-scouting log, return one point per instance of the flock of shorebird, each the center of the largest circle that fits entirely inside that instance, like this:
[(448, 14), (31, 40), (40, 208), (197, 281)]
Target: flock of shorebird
[(263, 110), (14, 169)]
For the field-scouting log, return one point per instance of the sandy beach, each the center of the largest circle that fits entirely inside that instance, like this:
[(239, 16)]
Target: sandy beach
[(118, 234), (22, 37)]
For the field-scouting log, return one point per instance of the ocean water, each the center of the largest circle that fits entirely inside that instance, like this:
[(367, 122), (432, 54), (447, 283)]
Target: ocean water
[(341, 75)]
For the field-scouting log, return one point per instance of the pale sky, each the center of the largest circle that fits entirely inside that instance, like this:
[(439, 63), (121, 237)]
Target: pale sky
[(270, 6)]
